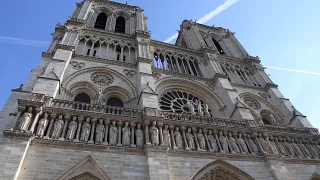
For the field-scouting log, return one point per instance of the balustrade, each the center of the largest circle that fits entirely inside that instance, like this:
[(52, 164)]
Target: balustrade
[(119, 111)]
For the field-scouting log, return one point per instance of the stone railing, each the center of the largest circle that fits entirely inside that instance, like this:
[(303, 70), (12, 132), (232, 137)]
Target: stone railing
[(96, 108), (138, 132), (202, 119)]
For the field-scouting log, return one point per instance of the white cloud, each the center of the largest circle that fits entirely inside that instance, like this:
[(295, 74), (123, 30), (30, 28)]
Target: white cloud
[(292, 70), (208, 16), (25, 42)]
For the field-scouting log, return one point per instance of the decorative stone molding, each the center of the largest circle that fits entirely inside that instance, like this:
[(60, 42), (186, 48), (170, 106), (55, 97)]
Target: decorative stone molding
[(144, 60), (102, 79), (129, 73), (77, 65), (65, 47), (252, 103), (104, 61)]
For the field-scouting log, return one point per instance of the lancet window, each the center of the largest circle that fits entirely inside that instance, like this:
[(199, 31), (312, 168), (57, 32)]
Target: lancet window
[(106, 49), (120, 25), (101, 21), (176, 64), (240, 75), (219, 48), (82, 97), (183, 103)]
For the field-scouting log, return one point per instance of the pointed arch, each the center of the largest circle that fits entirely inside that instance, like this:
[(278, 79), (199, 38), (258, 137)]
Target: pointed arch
[(315, 176), (221, 170), (196, 89), (101, 21), (269, 107), (120, 25), (88, 167), (126, 85)]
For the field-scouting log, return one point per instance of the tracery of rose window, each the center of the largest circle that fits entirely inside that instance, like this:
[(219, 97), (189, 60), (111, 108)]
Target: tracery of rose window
[(184, 103)]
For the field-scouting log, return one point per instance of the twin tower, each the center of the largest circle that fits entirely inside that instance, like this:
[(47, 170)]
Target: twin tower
[(108, 102)]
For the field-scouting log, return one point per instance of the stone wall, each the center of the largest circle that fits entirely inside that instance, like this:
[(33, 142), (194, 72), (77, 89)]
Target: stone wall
[(11, 154), (50, 163)]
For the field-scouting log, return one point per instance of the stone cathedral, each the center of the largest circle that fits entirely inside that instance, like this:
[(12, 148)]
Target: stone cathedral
[(109, 103)]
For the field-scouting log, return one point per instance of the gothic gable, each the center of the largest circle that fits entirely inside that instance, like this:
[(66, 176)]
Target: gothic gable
[(87, 169), (221, 170)]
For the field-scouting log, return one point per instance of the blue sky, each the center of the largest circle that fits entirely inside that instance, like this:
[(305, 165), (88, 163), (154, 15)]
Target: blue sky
[(282, 33)]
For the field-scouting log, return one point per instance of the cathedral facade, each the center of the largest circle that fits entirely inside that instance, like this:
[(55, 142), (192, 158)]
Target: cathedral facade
[(109, 103)]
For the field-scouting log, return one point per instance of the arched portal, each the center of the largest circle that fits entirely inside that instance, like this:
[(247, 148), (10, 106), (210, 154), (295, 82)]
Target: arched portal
[(221, 170)]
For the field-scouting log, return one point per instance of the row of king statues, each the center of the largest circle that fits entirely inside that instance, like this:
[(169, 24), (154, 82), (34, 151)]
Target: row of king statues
[(118, 133)]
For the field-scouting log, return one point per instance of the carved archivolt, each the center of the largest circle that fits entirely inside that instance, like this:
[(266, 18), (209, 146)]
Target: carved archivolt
[(255, 102), (190, 87), (108, 76), (221, 170)]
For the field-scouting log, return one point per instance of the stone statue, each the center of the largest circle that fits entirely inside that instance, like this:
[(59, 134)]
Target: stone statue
[(263, 143), (213, 142), (154, 131), (201, 140), (99, 100), (72, 128), (206, 110), (281, 148), (305, 149), (190, 107), (273, 119), (26, 120), (253, 145), (199, 108), (272, 145), (113, 133), (190, 139), (289, 147), (100, 132), (86, 128), (166, 136), (297, 149), (42, 126), (177, 137), (314, 149), (242, 144), (57, 127), (126, 134), (223, 141), (233, 144), (139, 136)]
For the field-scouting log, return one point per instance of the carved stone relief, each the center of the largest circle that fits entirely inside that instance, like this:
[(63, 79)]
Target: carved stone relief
[(102, 79), (129, 73), (77, 65)]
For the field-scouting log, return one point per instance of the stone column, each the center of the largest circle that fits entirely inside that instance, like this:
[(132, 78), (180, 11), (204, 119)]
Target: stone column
[(183, 129), (53, 116), (146, 131), (107, 122), (119, 133), (36, 119), (132, 125), (194, 132), (66, 122), (15, 121), (93, 125), (160, 125), (80, 119), (173, 141), (205, 131)]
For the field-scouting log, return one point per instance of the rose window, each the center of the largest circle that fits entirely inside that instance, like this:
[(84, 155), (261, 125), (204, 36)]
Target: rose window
[(184, 103), (102, 79), (252, 103)]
